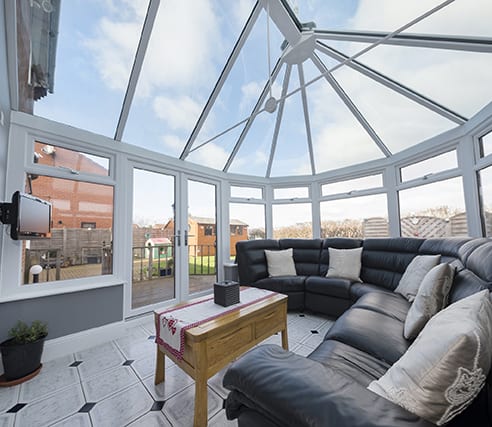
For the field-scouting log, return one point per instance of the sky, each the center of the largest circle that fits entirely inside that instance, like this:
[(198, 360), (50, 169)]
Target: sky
[(187, 51)]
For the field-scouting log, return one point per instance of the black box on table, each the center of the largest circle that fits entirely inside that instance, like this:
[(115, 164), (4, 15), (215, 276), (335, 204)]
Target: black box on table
[(226, 293)]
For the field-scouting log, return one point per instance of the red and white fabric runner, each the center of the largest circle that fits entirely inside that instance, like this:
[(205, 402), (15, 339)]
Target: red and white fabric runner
[(174, 322)]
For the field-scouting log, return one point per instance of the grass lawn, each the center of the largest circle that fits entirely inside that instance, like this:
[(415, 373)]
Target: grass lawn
[(196, 265)]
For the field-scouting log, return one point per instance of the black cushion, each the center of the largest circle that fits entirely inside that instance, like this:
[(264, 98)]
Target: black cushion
[(251, 260), (330, 286), (282, 284), (359, 289), (389, 304), (374, 333), (358, 365), (306, 254)]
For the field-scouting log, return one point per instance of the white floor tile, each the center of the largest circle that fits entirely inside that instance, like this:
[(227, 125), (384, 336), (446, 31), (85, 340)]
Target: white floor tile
[(7, 420), (108, 383), (97, 359), (220, 420), (176, 380), (180, 408), (146, 367), (48, 381), (76, 420), (56, 407), (9, 396), (152, 419), (302, 350), (122, 408)]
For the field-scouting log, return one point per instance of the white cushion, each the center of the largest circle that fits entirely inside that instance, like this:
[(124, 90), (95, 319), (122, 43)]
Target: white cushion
[(414, 274), (280, 263), (431, 298), (345, 263), (447, 365)]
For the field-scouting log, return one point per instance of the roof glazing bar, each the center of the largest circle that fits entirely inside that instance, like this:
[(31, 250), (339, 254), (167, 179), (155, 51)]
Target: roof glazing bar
[(392, 84), (350, 105), (137, 67), (222, 78), (306, 117), (256, 110), (280, 113), (472, 44)]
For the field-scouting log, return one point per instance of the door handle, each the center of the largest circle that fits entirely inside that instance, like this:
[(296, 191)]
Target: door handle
[(186, 237), (177, 238)]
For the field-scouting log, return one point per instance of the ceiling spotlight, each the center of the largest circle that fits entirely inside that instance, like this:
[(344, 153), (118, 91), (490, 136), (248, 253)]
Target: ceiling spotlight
[(271, 104)]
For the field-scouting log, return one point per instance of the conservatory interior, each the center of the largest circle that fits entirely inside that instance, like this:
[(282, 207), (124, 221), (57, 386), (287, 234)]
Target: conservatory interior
[(163, 132)]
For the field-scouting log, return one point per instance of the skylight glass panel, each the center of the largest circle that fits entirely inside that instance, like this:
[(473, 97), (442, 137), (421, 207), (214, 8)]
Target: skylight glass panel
[(338, 138), (486, 144), (240, 93), (398, 121), (291, 154), (457, 79), (459, 18), (95, 48), (381, 15), (188, 49)]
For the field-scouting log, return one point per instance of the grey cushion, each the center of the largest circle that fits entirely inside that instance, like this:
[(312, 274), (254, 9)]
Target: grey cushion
[(431, 298), (414, 274), (345, 263), (447, 365), (280, 263)]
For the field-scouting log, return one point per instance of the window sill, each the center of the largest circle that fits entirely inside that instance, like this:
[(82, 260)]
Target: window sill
[(53, 288)]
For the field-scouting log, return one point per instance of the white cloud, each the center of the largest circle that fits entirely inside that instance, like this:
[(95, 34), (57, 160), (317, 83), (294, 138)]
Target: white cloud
[(210, 155), (180, 113)]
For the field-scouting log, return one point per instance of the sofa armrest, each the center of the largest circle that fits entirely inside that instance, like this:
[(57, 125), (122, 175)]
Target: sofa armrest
[(291, 390)]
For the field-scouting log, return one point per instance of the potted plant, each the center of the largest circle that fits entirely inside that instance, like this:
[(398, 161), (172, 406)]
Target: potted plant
[(21, 353)]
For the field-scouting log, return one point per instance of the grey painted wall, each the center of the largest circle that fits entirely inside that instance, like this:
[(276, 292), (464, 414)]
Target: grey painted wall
[(66, 313)]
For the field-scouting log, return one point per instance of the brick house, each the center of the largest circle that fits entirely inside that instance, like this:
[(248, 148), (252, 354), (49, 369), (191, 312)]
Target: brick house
[(202, 234)]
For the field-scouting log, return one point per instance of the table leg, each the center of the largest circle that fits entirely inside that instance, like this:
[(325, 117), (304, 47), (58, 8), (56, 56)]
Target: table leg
[(201, 412), (160, 366), (285, 341)]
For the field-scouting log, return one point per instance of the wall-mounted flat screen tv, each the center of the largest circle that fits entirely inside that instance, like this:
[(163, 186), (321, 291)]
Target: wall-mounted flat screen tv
[(30, 217)]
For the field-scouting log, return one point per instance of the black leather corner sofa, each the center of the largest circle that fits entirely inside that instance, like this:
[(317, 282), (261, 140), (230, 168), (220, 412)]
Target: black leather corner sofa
[(273, 387)]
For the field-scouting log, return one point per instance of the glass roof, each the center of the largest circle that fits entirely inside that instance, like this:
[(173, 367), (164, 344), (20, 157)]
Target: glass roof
[(263, 88)]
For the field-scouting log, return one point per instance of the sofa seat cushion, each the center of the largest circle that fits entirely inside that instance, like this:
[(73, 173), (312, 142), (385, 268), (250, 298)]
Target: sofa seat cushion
[(330, 286), (357, 290), (369, 331), (361, 367), (282, 284), (390, 304)]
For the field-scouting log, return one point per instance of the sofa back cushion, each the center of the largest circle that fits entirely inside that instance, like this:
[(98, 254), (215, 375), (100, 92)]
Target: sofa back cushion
[(384, 260), (336, 243), (306, 253), (251, 260)]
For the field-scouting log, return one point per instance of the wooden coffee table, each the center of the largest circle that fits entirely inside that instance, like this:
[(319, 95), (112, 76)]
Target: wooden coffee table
[(210, 346)]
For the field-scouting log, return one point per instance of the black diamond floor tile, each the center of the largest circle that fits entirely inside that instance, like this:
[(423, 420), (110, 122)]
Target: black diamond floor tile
[(151, 337), (75, 364), (16, 408), (302, 315), (128, 362), (87, 407), (157, 406), (314, 331)]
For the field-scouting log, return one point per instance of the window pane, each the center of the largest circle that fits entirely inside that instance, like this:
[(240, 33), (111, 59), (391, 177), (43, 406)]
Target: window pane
[(486, 144), (290, 193), (247, 192), (433, 165), (247, 222), (59, 157), (153, 233), (433, 210), (81, 234), (365, 216), (292, 220), (364, 183), (485, 179), (81, 58)]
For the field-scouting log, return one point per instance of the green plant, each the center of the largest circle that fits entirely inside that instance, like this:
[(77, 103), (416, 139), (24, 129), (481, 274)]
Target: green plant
[(21, 333)]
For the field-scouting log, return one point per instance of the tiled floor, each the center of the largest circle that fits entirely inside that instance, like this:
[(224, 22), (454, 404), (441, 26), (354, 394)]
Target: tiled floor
[(112, 384)]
